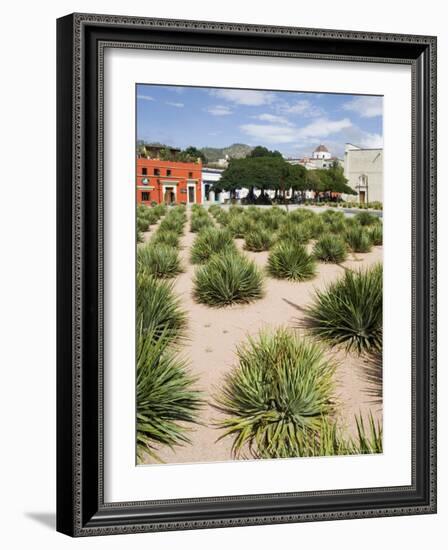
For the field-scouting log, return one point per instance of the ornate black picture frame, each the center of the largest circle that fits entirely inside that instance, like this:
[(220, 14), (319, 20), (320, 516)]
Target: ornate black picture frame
[(81, 509)]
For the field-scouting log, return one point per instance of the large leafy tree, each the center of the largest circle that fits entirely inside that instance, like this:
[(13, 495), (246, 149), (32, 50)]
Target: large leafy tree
[(194, 153), (331, 180), (260, 151), (263, 173)]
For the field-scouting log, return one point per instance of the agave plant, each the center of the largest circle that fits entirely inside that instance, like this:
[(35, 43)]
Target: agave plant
[(290, 261), (197, 223), (258, 239), (376, 234), (331, 249), (238, 226), (298, 233), (142, 224), (159, 260), (172, 223), (228, 278), (358, 239), (159, 210), (170, 238), (209, 241), (329, 439), (301, 215), (277, 396), (165, 394), (349, 311), (315, 227), (159, 309), (366, 218)]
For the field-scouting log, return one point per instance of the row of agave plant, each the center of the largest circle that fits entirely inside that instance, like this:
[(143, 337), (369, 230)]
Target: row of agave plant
[(148, 216), (279, 398), (167, 398)]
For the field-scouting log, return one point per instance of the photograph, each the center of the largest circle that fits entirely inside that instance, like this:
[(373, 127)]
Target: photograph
[(259, 274)]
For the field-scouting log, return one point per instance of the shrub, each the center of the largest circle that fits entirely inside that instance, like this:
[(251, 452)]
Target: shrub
[(238, 226), (332, 216), (376, 234), (214, 210), (159, 260), (302, 215), (277, 396), (172, 223), (159, 310), (315, 227), (358, 239), (298, 233), (210, 241), (258, 239), (223, 218), (273, 218), (142, 224), (228, 278), (139, 237), (170, 238), (289, 261), (160, 209), (350, 311), (366, 218), (331, 249), (197, 223), (165, 395), (335, 226)]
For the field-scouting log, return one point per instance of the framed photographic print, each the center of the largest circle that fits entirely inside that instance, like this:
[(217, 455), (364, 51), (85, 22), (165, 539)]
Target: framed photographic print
[(246, 274)]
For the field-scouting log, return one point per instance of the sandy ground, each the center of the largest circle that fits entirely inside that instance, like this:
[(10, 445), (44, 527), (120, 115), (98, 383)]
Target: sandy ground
[(214, 335)]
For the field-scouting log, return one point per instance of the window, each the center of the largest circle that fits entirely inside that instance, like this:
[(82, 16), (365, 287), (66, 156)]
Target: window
[(168, 172), (145, 195), (157, 171), (190, 174), (144, 171)]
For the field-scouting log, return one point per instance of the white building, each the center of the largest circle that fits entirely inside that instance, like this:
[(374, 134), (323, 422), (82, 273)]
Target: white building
[(209, 177), (320, 158), (363, 169)]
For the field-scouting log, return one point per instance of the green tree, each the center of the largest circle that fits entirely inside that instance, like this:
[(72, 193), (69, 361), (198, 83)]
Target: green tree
[(193, 153), (260, 151), (263, 173)]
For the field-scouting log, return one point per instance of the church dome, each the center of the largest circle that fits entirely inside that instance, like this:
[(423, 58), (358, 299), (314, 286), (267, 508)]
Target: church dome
[(321, 149)]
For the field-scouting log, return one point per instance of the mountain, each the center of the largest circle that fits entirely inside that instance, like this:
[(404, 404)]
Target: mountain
[(236, 151)]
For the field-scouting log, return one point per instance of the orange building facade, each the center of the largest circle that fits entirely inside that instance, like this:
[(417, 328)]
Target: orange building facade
[(168, 182)]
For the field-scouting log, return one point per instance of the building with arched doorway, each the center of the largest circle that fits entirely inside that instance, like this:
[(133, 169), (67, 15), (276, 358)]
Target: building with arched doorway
[(363, 168), (169, 182)]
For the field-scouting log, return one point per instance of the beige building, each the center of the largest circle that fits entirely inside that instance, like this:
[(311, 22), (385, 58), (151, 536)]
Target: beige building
[(364, 170)]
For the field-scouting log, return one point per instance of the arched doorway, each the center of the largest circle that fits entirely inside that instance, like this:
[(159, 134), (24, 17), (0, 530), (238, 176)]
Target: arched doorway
[(169, 196)]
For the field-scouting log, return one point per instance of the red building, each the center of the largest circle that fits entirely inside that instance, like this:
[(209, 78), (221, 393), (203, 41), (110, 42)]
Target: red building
[(166, 181)]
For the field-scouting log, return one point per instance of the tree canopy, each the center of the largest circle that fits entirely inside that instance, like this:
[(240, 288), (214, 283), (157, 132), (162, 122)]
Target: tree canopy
[(275, 174)]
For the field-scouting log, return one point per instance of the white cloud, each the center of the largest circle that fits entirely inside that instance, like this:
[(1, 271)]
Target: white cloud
[(244, 97), (365, 106), (270, 133), (175, 104), (219, 110), (371, 141), (287, 133), (301, 107), (275, 119), (322, 127), (145, 97)]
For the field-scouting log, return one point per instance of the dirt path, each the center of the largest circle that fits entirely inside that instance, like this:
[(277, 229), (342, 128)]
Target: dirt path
[(215, 333)]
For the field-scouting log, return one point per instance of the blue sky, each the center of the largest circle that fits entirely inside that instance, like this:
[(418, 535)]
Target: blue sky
[(292, 122)]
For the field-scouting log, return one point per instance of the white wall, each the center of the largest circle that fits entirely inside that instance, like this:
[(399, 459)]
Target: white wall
[(27, 299)]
